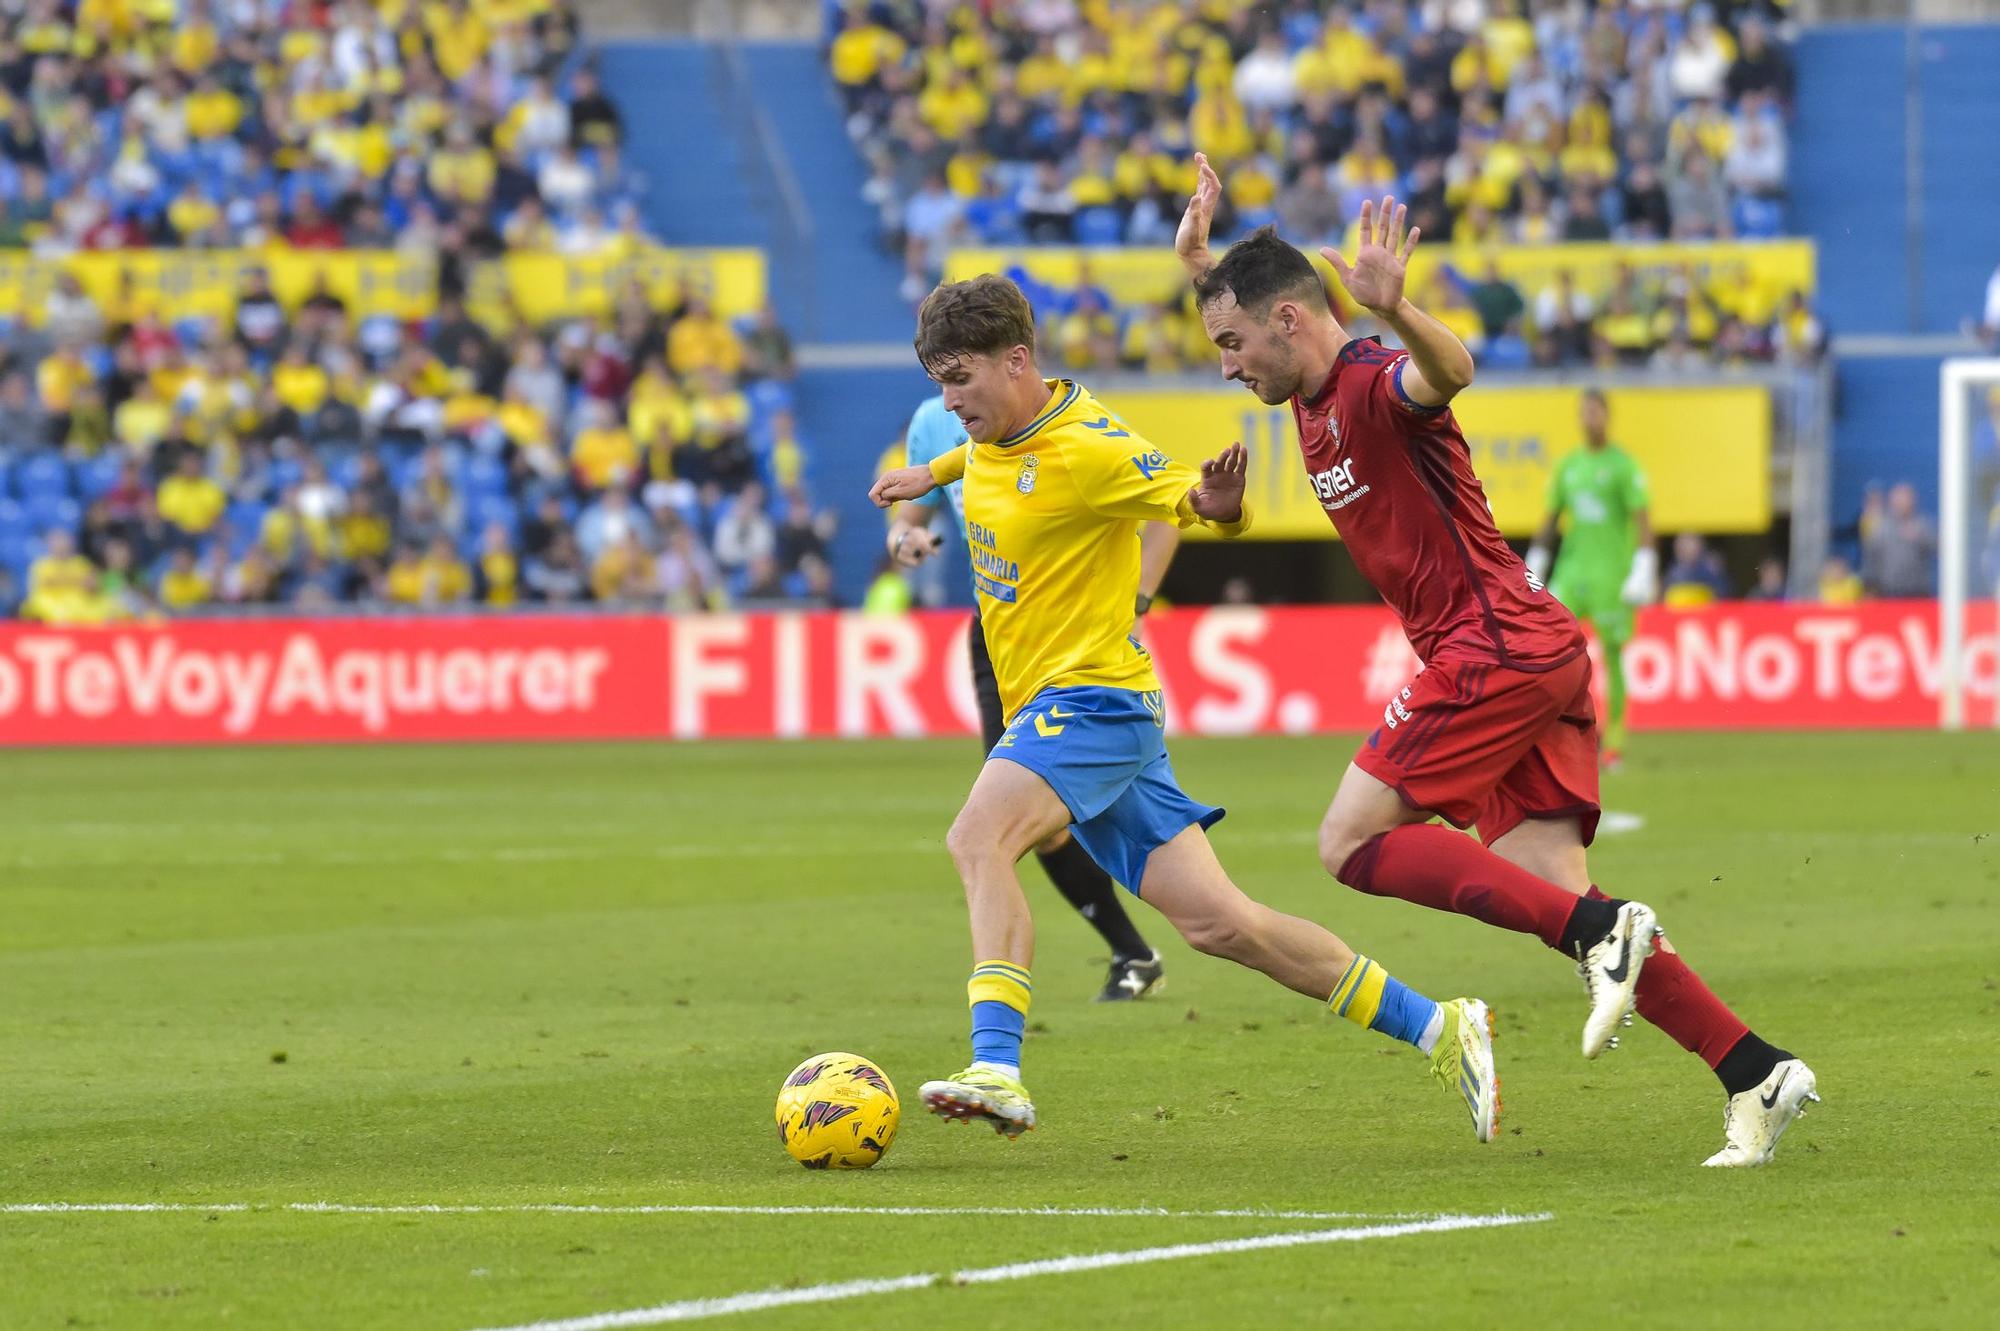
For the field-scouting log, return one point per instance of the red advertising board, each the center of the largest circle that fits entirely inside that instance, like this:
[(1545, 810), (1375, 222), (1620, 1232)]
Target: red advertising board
[(1226, 671), (222, 681)]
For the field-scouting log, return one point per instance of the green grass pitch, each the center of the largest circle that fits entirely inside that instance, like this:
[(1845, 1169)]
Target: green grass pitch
[(519, 976)]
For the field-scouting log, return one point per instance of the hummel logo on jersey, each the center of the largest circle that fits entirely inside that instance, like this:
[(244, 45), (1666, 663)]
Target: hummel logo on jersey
[(1336, 486), (1771, 1101)]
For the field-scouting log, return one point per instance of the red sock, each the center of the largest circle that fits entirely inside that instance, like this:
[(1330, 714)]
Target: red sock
[(1674, 999), (1434, 866)]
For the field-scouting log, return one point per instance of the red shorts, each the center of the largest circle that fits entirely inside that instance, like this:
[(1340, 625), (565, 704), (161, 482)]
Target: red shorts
[(1482, 745)]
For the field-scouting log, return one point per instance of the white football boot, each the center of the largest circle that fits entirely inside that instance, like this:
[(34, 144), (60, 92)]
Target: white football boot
[(1756, 1118), (1610, 971)]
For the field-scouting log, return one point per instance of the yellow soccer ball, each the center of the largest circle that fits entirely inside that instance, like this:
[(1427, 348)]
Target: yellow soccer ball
[(837, 1111)]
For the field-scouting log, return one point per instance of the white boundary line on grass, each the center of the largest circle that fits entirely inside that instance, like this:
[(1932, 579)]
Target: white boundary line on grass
[(690, 1310), (578, 1208)]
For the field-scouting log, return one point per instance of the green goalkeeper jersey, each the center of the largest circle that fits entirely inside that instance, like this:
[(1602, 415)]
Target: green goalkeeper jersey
[(1600, 491)]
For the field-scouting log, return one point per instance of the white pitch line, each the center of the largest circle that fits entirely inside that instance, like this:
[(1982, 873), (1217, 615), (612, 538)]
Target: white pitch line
[(580, 1208), (62, 1208), (690, 1310)]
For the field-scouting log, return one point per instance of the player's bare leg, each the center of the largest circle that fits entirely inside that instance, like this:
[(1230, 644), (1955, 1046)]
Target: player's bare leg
[(1187, 884), (1374, 842), (1009, 811), (1136, 968), (1766, 1086)]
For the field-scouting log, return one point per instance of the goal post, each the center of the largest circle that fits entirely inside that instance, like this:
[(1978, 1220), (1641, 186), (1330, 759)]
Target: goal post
[(1968, 538)]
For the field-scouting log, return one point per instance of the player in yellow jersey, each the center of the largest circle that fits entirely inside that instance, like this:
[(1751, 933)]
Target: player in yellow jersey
[(1055, 487)]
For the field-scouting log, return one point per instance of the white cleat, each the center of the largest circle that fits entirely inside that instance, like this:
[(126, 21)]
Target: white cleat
[(1610, 971), (1755, 1119)]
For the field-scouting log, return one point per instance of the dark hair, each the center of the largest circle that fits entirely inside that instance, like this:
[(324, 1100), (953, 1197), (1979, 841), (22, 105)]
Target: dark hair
[(1595, 395), (984, 315), (1259, 270)]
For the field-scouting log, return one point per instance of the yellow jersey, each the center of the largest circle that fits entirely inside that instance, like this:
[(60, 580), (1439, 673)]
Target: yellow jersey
[(1052, 518)]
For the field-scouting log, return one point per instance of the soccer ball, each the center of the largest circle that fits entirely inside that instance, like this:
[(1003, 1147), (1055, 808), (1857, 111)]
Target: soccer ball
[(837, 1111)]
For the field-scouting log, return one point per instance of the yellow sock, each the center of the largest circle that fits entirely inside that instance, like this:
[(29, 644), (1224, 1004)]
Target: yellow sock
[(1358, 996)]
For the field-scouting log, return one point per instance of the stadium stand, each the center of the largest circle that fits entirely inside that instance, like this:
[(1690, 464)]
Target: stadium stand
[(1074, 122), (261, 343)]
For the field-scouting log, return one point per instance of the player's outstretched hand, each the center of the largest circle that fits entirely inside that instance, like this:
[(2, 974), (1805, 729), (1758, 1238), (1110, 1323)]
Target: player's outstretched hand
[(911, 546), (1375, 279), (1191, 241), (1219, 497), (901, 483)]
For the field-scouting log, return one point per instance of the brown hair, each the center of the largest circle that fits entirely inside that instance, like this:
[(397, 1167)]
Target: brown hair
[(1260, 270), (984, 315)]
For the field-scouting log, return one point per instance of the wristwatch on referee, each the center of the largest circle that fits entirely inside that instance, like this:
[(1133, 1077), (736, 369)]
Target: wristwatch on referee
[(1145, 604)]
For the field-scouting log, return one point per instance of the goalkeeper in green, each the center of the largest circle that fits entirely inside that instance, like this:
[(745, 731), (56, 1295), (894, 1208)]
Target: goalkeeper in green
[(1607, 566)]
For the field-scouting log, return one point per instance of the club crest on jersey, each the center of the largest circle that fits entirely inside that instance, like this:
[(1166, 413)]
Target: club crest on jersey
[(1025, 482)]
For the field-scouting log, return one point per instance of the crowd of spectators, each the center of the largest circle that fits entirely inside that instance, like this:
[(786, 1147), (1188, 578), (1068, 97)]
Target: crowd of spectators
[(1074, 121), (1898, 544), (461, 126), (307, 454), (1670, 318), (648, 458)]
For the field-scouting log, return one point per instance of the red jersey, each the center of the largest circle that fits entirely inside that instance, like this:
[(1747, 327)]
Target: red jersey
[(1396, 480)]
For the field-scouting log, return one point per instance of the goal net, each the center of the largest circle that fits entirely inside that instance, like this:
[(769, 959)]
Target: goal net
[(1969, 543)]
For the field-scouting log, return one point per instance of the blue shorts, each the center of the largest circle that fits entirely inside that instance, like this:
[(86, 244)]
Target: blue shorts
[(1104, 752)]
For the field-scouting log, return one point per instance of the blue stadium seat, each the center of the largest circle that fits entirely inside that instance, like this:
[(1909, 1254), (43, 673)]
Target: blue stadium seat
[(491, 508), (40, 474), (49, 511), (1759, 219), (16, 553), (13, 520), (485, 476), (95, 477), (347, 471), (410, 467), (1099, 226), (767, 396), (245, 523), (285, 473)]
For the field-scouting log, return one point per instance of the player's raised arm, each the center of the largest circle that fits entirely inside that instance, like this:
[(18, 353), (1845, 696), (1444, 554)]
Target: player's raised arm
[(1144, 483), (901, 483), (1191, 241), (1441, 364)]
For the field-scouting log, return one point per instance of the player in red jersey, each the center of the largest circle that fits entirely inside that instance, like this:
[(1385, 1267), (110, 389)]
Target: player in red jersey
[(1497, 731)]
